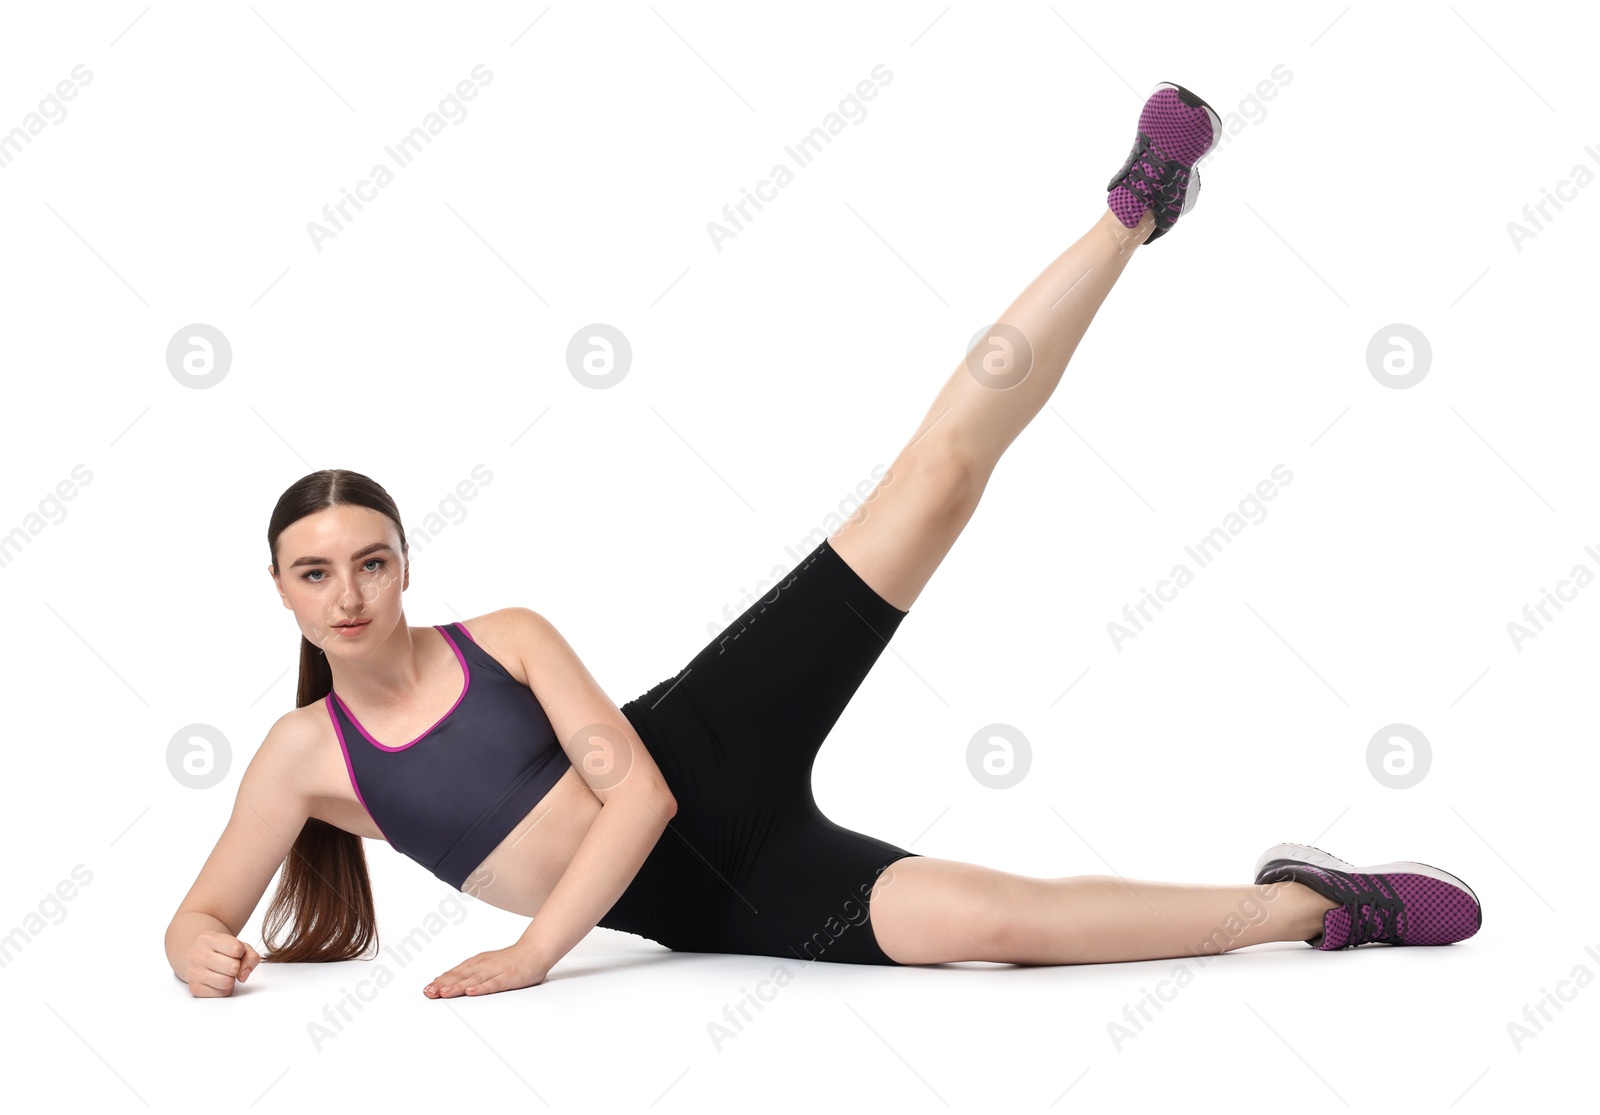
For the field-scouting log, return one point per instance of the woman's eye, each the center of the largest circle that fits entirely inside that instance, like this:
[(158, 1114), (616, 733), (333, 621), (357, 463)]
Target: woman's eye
[(380, 562)]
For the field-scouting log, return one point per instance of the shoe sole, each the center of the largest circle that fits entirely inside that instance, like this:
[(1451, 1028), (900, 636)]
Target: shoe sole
[(1192, 193), (1316, 857)]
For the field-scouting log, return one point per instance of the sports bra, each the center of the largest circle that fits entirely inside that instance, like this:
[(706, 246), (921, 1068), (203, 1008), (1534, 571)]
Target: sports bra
[(450, 796)]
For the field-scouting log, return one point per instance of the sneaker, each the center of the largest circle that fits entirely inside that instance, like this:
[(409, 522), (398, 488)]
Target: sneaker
[(1176, 128), (1395, 903)]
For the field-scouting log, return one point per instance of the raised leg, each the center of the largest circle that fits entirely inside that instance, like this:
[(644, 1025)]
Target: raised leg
[(935, 911), (903, 530)]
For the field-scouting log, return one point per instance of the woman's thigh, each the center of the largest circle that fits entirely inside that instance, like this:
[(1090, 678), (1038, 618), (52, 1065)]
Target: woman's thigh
[(806, 893), (940, 911), (907, 524), (768, 689), (749, 869)]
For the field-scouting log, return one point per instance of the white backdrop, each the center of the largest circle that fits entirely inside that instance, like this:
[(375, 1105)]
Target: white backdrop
[(1380, 178)]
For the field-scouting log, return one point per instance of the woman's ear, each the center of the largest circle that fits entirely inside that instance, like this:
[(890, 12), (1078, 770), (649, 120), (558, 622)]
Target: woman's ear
[(276, 584)]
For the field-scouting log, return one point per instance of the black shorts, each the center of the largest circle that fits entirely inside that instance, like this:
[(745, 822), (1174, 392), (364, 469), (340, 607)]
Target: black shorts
[(749, 864)]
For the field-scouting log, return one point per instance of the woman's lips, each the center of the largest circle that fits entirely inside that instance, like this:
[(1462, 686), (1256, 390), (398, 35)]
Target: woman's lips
[(352, 629)]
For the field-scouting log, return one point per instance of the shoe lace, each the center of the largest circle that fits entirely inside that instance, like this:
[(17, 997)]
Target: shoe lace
[(1166, 192), (1377, 912)]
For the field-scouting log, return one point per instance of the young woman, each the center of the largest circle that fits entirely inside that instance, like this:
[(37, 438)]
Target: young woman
[(486, 752)]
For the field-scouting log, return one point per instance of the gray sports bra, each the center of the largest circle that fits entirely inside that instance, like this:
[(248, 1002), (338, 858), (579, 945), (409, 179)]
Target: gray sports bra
[(450, 796)]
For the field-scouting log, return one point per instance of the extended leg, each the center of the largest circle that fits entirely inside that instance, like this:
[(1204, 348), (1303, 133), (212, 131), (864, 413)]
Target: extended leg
[(898, 537), (934, 911)]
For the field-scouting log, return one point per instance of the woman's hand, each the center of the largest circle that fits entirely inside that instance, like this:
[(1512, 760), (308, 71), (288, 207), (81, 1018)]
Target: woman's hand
[(216, 960), (500, 970)]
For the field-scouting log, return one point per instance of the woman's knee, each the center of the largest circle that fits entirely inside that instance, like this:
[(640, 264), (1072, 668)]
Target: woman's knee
[(939, 911), (940, 464)]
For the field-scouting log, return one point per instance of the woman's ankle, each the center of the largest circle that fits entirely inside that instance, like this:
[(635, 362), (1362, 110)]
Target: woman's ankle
[(1303, 909), (1125, 238)]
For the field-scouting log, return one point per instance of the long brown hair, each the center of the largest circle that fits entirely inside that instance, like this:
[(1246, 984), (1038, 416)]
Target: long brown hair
[(324, 895)]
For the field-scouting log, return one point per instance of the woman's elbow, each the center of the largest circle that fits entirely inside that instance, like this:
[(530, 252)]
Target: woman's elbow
[(662, 801), (645, 797)]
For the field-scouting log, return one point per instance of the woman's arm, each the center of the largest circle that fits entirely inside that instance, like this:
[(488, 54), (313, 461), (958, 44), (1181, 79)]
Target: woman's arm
[(635, 808), (609, 857), (269, 811)]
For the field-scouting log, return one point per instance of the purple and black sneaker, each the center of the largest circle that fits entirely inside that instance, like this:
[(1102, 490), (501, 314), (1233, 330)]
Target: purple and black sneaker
[(1394, 903), (1176, 128)]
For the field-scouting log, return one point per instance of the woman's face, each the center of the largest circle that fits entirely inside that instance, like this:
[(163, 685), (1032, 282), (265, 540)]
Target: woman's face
[(339, 565)]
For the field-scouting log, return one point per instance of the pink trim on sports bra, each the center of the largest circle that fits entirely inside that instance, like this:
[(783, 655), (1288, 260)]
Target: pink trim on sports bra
[(466, 673), (350, 769)]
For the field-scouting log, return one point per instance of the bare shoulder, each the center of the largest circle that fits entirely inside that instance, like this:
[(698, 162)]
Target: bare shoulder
[(512, 636), (290, 742), (291, 739), (302, 750)]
